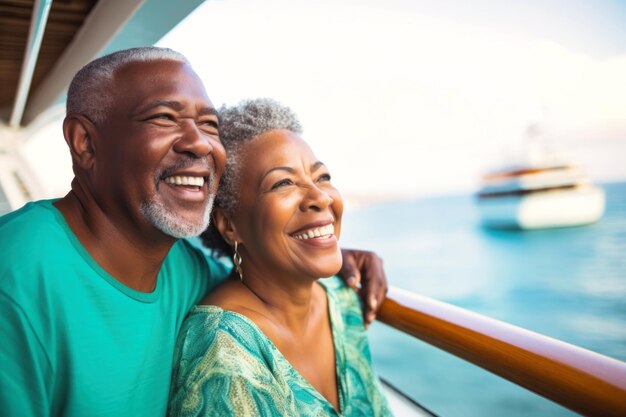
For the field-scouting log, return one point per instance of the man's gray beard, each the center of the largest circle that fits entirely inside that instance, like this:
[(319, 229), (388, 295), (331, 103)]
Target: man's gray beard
[(170, 223)]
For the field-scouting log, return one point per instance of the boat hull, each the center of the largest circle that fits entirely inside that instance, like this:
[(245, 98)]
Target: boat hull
[(545, 209)]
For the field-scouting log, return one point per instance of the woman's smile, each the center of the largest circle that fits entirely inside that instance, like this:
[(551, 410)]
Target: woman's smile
[(314, 231), (321, 236)]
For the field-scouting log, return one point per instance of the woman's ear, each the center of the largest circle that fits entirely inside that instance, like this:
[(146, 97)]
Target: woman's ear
[(223, 223), (79, 134)]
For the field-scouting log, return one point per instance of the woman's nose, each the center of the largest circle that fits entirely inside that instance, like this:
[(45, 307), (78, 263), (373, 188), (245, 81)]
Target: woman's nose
[(316, 199)]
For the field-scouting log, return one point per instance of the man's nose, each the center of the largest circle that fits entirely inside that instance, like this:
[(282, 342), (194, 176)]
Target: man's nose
[(193, 141)]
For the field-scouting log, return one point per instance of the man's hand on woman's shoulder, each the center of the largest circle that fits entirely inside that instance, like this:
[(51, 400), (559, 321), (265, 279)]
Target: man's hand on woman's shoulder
[(363, 271)]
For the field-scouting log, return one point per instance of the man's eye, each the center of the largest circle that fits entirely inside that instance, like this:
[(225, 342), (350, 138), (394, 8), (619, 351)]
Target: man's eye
[(210, 122), (323, 177), (282, 183), (162, 116), (209, 126)]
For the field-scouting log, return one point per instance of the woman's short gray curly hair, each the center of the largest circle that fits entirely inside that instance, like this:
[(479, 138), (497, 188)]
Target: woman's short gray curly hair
[(240, 124)]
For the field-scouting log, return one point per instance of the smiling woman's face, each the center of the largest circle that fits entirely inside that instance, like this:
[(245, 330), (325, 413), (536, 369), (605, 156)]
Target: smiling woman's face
[(288, 215)]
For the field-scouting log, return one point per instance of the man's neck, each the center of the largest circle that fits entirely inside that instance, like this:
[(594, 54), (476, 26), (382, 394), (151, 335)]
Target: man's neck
[(131, 256)]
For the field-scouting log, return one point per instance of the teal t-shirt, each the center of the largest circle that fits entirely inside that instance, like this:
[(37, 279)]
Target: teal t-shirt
[(77, 342), (225, 365)]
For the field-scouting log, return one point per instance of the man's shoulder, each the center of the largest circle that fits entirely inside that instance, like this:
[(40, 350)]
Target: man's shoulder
[(188, 257), (184, 256), (34, 218), (29, 231), (33, 242)]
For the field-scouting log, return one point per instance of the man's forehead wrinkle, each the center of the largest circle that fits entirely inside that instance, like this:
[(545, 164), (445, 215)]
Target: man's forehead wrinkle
[(317, 165), (173, 104), (145, 106), (211, 111)]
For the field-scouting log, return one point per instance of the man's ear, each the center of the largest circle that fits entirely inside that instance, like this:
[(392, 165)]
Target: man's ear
[(223, 223), (79, 134)]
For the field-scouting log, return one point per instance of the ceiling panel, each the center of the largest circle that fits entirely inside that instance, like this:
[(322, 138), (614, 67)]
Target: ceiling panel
[(64, 20)]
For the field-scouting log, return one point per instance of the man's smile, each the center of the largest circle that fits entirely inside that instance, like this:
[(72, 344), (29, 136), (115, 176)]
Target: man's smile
[(185, 180), (189, 186)]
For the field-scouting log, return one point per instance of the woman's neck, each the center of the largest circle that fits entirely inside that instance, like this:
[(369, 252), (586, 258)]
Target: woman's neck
[(291, 301)]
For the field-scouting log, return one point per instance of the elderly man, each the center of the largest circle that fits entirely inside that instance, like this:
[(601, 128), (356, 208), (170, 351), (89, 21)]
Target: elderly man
[(94, 286)]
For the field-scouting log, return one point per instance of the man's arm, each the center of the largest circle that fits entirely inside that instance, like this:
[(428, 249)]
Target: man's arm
[(363, 271), (24, 367)]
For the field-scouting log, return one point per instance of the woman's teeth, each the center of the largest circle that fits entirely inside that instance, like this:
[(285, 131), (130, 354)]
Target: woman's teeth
[(324, 232), (180, 180)]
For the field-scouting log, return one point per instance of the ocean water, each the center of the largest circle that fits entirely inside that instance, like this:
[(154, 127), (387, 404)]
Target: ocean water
[(566, 283)]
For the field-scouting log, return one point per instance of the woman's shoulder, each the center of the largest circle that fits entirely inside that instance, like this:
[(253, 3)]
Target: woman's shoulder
[(209, 325), (228, 295), (219, 352), (226, 344), (221, 342), (340, 293), (345, 306), (239, 303)]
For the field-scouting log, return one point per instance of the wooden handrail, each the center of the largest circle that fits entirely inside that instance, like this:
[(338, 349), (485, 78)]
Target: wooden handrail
[(579, 379)]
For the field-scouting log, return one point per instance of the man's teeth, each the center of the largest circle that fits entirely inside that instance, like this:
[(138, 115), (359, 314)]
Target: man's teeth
[(325, 231), (181, 180)]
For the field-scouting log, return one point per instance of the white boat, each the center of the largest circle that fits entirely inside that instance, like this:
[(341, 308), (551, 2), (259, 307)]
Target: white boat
[(537, 196)]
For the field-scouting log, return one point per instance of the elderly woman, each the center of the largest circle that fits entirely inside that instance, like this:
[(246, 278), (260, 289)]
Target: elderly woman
[(275, 340)]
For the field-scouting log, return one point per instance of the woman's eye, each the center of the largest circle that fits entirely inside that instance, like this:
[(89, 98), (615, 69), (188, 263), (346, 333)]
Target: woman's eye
[(282, 183)]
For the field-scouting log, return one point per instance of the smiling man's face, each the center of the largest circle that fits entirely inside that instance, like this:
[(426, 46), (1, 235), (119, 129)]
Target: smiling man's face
[(159, 157)]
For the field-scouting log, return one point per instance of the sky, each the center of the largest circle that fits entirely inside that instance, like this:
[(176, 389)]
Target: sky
[(411, 98)]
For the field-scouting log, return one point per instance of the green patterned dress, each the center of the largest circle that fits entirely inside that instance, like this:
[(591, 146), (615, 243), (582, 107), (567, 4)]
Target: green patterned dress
[(225, 365)]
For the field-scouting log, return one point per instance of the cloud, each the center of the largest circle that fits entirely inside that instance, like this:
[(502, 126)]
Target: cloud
[(397, 101)]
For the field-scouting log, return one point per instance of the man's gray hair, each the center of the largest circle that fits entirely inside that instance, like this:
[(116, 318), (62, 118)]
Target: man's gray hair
[(240, 124), (88, 93)]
